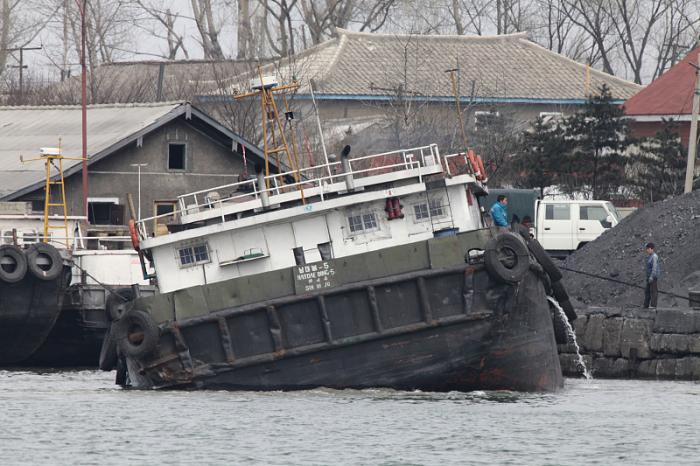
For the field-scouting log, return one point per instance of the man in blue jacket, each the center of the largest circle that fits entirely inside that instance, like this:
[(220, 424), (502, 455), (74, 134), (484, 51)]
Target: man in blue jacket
[(499, 212), (653, 270)]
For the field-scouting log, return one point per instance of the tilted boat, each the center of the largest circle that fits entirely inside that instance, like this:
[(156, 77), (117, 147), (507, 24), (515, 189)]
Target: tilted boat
[(373, 271)]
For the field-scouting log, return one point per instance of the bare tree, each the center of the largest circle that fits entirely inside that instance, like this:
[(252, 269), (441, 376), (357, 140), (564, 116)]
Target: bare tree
[(165, 19), (208, 29), (281, 40), (593, 17), (635, 22), (245, 30)]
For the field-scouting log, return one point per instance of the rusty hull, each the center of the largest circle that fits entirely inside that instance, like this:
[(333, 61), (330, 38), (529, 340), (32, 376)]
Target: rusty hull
[(452, 328)]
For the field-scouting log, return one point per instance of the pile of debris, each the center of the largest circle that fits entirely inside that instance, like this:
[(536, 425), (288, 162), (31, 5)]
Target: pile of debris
[(673, 225)]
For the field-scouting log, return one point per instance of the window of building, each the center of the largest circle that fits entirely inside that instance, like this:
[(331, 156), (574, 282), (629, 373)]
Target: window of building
[(363, 223), (422, 212), (193, 255), (176, 156), (37, 205), (105, 212), (557, 212), (484, 119), (551, 117)]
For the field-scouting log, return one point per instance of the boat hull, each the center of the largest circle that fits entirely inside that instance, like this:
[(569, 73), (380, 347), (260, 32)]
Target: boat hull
[(453, 328), (28, 311)]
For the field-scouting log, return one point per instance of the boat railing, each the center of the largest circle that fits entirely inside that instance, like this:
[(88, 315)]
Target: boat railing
[(63, 242), (316, 175), (314, 179)]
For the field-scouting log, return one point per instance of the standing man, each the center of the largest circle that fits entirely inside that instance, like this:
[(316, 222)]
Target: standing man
[(653, 270), (499, 212)]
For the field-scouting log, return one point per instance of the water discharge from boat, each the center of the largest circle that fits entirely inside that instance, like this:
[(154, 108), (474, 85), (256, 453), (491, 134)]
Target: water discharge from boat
[(572, 337)]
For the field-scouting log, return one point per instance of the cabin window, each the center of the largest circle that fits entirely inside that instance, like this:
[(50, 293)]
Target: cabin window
[(6, 237), (363, 223), (31, 236), (557, 212), (422, 212), (193, 255), (176, 156)]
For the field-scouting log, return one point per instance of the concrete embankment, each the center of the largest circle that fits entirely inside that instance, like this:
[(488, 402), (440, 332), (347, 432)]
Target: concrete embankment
[(636, 343)]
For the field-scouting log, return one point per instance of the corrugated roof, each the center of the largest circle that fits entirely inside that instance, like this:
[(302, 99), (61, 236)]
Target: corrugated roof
[(671, 94), (506, 67), (24, 130)]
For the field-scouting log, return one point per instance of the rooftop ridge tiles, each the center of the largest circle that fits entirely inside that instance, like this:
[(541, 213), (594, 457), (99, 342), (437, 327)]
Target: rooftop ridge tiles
[(171, 104), (465, 37)]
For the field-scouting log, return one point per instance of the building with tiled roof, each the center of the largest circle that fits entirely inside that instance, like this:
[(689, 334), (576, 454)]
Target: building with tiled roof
[(357, 76), (669, 97), (493, 69)]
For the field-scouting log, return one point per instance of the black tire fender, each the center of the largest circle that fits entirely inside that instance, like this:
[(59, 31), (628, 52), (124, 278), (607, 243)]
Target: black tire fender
[(543, 258), (136, 334), (12, 254), (108, 352), (117, 302), (503, 249), (46, 252)]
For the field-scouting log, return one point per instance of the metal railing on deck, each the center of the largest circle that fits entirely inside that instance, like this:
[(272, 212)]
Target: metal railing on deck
[(311, 179)]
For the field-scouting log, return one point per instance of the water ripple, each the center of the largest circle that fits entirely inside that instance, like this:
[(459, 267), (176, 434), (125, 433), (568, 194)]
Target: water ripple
[(81, 418)]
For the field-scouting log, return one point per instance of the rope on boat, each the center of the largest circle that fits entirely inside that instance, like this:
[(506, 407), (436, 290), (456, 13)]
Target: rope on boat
[(614, 280), (108, 288)]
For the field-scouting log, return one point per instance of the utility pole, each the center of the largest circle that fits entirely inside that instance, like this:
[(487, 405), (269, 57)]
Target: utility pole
[(82, 6), (139, 165), (693, 137), (21, 67)]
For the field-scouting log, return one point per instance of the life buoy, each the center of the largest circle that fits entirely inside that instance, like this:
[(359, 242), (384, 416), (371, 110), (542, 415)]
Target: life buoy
[(44, 261), (506, 258), (135, 241), (482, 169), (13, 264), (474, 164), (136, 334)]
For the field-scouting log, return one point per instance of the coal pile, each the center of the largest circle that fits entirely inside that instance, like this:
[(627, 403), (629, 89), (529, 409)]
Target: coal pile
[(673, 225)]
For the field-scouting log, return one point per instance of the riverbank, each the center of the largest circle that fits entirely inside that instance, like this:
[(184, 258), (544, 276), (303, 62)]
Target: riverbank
[(636, 343)]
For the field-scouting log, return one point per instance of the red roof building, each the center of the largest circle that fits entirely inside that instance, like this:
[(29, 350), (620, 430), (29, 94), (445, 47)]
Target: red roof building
[(670, 96)]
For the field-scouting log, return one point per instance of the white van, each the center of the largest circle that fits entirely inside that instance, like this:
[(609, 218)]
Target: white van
[(565, 226)]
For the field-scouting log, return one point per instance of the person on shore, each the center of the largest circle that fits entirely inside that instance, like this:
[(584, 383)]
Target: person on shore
[(499, 212), (651, 292)]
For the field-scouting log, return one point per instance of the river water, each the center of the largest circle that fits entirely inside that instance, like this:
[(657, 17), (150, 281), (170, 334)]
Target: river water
[(80, 417)]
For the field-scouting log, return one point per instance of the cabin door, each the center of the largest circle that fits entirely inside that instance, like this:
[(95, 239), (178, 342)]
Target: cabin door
[(160, 223)]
